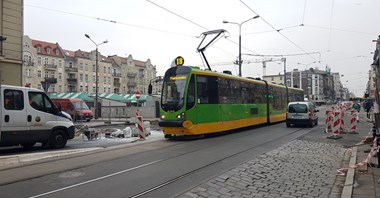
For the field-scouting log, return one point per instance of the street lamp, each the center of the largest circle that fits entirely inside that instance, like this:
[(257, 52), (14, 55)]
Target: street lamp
[(96, 73), (240, 24)]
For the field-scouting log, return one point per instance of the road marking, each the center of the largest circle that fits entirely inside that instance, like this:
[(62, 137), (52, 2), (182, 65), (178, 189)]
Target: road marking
[(97, 179)]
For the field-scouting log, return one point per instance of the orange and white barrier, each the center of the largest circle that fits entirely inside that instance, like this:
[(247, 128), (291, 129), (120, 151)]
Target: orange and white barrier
[(140, 125), (328, 122), (354, 121), (336, 123)]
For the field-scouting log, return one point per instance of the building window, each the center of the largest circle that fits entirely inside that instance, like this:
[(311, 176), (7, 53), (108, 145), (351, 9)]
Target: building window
[(81, 77), (104, 69), (57, 52), (46, 61), (52, 61), (60, 89), (48, 50), (38, 49), (80, 66), (86, 66), (86, 77), (93, 68), (60, 63), (26, 44), (39, 75), (59, 76), (81, 88), (28, 72), (93, 79), (39, 60)]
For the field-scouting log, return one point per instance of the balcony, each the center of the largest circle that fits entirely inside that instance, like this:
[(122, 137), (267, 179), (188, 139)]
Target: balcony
[(116, 74), (116, 84), (131, 84), (50, 66), (72, 81), (28, 63), (71, 69), (131, 74)]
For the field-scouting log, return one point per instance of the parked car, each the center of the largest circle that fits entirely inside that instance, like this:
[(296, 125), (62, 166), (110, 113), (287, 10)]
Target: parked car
[(75, 107), (302, 113)]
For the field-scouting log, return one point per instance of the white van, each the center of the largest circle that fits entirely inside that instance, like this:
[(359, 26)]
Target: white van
[(301, 113), (29, 116)]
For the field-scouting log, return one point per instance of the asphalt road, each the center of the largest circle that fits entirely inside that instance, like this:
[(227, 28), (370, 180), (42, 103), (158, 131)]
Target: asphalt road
[(162, 168)]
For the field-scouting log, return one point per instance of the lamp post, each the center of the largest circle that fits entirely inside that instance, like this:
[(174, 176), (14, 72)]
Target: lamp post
[(96, 73), (240, 24)]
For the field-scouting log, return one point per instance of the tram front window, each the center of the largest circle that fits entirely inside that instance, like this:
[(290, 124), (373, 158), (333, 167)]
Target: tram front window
[(173, 92)]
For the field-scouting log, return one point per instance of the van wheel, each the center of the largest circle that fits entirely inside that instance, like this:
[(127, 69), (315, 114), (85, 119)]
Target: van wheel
[(28, 145), (58, 139)]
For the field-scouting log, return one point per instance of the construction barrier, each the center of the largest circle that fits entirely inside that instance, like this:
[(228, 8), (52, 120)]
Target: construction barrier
[(353, 122), (328, 121), (140, 125), (336, 125)]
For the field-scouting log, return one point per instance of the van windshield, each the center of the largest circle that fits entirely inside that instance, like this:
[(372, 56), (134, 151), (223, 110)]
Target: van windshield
[(81, 105), (297, 108)]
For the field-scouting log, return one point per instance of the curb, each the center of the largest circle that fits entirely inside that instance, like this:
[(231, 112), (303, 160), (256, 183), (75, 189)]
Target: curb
[(349, 183), (17, 159)]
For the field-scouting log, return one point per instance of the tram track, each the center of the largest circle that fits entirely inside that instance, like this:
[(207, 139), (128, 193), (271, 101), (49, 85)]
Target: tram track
[(198, 147), (164, 184)]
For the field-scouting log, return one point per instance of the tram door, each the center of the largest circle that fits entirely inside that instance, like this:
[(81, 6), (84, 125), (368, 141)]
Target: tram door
[(207, 102)]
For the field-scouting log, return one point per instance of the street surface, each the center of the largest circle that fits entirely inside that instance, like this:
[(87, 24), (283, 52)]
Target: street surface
[(288, 162)]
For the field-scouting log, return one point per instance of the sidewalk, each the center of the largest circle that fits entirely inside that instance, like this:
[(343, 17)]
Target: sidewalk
[(367, 177)]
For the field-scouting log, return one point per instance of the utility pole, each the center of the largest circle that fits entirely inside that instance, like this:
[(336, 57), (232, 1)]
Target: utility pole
[(376, 67)]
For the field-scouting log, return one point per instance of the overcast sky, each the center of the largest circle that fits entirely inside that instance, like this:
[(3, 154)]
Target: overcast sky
[(308, 33)]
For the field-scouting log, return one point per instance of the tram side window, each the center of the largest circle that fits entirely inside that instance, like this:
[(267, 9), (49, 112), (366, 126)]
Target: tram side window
[(279, 98), (223, 90), (235, 93), (258, 92), (207, 90), (245, 95)]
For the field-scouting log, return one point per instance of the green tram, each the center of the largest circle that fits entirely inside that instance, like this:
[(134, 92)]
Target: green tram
[(197, 102)]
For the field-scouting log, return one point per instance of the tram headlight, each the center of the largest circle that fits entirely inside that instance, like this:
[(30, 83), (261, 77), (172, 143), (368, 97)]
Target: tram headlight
[(181, 115), (162, 116)]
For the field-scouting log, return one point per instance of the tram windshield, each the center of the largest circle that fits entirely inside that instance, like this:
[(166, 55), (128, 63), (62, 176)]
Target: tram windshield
[(173, 91)]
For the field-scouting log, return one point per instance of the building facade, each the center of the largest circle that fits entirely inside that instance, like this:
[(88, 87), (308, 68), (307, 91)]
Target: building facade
[(11, 33), (47, 66), (318, 85)]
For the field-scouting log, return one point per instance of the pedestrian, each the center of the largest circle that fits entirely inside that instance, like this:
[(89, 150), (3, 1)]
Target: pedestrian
[(356, 106), (368, 106)]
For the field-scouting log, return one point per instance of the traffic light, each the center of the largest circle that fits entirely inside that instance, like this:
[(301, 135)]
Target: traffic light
[(150, 89)]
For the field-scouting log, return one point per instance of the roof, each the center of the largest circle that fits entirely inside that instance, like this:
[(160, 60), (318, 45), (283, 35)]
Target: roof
[(45, 45), (80, 95)]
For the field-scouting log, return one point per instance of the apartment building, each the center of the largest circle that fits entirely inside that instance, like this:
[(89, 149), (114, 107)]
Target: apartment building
[(318, 85), (11, 32), (43, 65), (75, 71)]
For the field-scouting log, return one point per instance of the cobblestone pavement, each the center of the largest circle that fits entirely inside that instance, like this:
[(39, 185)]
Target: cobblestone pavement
[(297, 169)]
